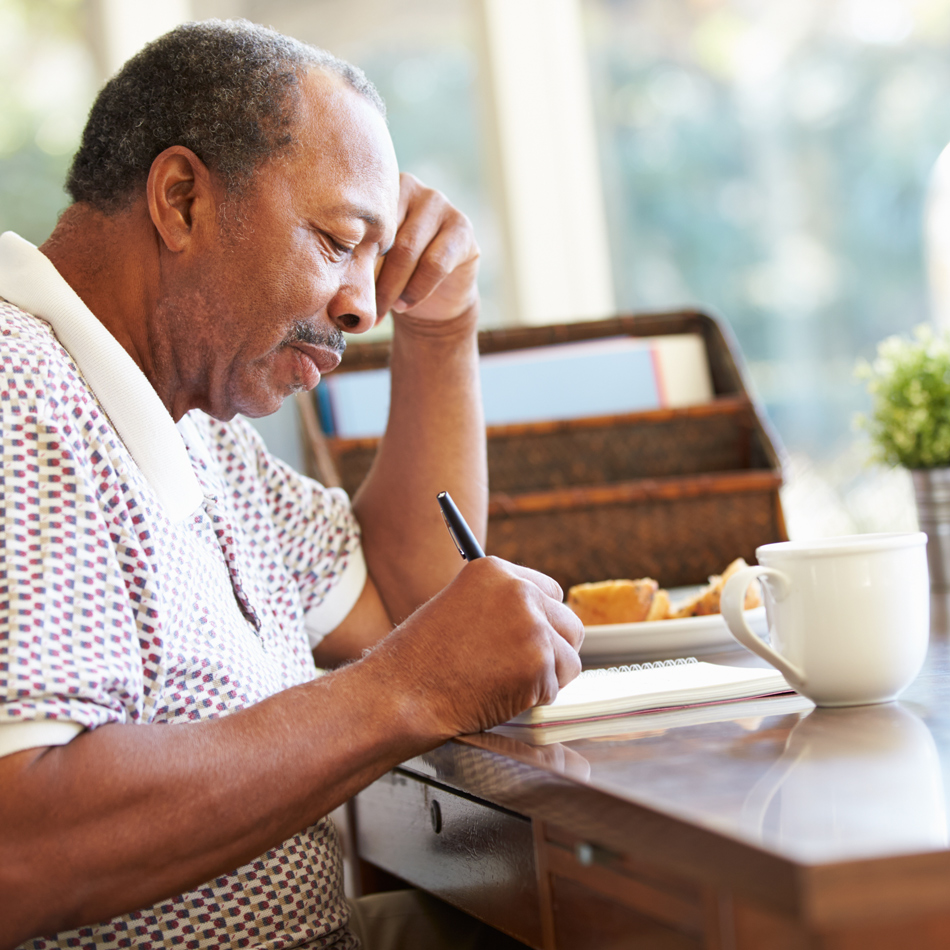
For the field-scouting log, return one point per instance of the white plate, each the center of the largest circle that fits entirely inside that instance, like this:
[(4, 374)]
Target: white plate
[(664, 638)]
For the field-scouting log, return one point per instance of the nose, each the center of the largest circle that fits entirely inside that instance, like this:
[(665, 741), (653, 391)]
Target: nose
[(353, 307)]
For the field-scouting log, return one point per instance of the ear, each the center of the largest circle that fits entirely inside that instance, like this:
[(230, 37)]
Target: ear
[(180, 195)]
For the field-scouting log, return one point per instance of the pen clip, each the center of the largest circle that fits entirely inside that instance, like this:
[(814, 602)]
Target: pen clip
[(453, 535), (459, 531)]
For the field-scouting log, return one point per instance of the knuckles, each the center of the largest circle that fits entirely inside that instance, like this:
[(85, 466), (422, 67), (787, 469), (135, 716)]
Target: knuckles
[(492, 609), (405, 248), (433, 271), (428, 203)]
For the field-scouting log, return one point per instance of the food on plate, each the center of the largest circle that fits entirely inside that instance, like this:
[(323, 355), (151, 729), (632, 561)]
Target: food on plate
[(624, 601), (613, 601), (660, 608), (707, 600)]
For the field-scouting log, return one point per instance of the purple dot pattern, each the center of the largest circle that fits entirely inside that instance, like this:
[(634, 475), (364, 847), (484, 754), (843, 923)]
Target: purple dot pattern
[(111, 613)]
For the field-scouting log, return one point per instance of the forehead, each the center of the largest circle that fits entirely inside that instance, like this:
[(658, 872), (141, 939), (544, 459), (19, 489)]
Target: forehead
[(344, 156)]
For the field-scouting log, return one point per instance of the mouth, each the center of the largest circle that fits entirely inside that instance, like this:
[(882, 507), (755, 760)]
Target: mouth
[(314, 361)]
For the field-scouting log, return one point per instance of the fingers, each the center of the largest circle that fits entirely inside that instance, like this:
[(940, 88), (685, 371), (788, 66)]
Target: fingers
[(575, 765), (547, 584), (564, 621), (434, 249), (564, 641), (564, 630), (558, 614), (423, 268), (555, 757), (567, 624)]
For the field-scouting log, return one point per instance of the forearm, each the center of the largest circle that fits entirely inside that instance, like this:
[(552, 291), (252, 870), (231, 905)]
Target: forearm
[(124, 816), (434, 441)]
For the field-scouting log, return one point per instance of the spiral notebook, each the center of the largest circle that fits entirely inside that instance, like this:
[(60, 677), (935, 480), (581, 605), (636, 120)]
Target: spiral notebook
[(599, 695)]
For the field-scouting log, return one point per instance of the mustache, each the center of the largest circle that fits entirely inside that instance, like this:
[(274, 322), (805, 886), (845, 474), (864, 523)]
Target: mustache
[(326, 336)]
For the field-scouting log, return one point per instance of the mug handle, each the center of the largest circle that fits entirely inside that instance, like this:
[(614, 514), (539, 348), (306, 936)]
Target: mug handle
[(731, 604)]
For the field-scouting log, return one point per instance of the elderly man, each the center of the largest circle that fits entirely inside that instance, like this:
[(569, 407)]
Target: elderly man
[(169, 756)]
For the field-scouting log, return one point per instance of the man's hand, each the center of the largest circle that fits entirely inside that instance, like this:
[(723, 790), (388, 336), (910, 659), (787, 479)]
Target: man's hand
[(431, 268), (494, 642)]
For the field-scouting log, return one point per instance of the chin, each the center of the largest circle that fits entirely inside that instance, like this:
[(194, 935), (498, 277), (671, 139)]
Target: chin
[(252, 406), (257, 410)]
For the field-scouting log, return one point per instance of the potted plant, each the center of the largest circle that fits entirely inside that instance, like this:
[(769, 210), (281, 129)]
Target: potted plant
[(909, 425)]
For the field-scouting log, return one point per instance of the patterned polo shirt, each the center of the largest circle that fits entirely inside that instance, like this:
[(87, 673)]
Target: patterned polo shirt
[(155, 573)]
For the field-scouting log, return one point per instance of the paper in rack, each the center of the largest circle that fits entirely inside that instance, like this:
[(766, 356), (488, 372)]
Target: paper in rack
[(607, 377)]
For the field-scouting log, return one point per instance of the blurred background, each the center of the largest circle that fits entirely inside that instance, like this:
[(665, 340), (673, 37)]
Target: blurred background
[(768, 160)]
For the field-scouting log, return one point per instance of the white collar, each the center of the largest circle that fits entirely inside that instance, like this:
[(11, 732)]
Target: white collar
[(29, 281)]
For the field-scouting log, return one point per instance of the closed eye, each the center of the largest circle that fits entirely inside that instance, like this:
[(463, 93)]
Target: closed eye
[(339, 245), (338, 248)]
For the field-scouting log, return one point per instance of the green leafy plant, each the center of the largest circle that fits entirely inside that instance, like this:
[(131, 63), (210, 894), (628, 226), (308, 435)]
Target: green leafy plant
[(909, 384)]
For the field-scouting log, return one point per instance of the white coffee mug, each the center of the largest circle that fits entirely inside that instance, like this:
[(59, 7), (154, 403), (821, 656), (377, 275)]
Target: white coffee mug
[(849, 618)]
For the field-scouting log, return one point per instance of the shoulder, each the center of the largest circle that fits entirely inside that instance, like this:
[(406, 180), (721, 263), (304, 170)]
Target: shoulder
[(43, 394), (34, 363), (24, 335)]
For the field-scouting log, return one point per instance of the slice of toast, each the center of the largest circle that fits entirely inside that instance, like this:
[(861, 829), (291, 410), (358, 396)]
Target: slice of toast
[(702, 603), (707, 600), (619, 601), (753, 595), (660, 607)]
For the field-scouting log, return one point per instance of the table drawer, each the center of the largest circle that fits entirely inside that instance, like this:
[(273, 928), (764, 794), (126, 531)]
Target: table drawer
[(472, 854), (604, 900)]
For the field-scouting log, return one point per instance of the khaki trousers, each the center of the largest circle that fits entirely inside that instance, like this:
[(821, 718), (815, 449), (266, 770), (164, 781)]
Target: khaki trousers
[(414, 920)]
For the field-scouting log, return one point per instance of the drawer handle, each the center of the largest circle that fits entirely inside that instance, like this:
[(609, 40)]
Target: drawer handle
[(435, 817), (587, 855)]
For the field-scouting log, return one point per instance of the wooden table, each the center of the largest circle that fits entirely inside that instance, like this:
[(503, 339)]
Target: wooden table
[(791, 828)]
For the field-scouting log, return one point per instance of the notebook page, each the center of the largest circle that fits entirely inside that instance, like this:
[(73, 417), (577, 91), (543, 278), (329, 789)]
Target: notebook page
[(653, 686), (648, 722)]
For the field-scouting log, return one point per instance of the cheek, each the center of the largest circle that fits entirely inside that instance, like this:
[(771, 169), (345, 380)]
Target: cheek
[(296, 279), (276, 277)]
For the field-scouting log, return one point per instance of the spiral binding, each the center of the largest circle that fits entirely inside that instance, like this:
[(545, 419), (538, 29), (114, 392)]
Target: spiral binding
[(634, 667)]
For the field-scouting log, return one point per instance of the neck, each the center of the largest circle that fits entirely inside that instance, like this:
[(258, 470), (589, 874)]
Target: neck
[(112, 262)]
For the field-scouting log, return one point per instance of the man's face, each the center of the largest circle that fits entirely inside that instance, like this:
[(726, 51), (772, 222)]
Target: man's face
[(260, 314)]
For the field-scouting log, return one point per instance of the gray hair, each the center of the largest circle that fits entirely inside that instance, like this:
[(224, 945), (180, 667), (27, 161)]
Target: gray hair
[(228, 90)]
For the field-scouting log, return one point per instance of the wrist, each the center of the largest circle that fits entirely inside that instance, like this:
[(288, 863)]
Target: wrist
[(460, 327), (408, 696), (375, 690)]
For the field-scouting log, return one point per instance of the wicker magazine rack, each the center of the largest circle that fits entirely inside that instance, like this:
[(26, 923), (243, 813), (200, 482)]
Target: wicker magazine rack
[(674, 494)]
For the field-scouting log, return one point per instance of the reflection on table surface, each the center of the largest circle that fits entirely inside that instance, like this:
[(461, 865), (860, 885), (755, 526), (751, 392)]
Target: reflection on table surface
[(814, 785)]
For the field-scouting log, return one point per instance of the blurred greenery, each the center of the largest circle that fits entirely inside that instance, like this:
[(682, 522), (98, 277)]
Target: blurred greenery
[(770, 162), (909, 384)]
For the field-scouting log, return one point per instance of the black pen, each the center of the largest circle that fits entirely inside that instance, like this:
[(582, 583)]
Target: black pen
[(461, 533)]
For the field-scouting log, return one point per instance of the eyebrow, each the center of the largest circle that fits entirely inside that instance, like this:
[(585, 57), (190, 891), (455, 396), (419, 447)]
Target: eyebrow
[(351, 211)]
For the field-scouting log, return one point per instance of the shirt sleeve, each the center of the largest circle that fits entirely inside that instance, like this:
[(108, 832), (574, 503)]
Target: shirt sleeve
[(317, 531), (69, 655)]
